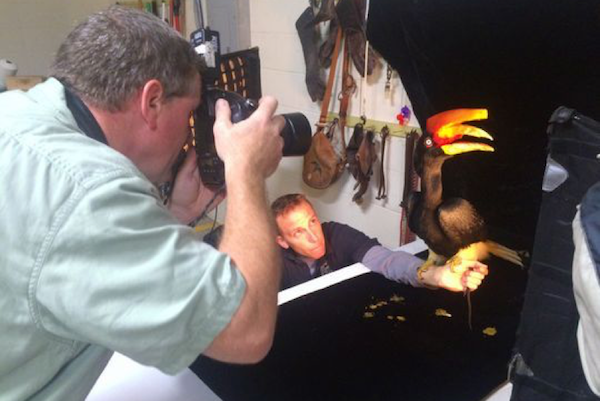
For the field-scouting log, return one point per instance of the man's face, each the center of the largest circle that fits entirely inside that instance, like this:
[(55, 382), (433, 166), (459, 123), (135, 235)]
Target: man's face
[(300, 229), (174, 127)]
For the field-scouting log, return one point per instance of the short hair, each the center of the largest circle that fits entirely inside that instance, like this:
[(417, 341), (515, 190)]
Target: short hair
[(114, 52), (285, 203)]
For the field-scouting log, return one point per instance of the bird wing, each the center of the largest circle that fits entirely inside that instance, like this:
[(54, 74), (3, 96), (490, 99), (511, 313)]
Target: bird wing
[(458, 219)]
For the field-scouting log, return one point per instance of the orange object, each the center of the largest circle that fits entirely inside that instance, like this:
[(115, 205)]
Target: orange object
[(175, 11), (447, 126)]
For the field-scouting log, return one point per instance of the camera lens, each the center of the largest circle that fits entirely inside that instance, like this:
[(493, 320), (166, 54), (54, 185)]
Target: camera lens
[(297, 134)]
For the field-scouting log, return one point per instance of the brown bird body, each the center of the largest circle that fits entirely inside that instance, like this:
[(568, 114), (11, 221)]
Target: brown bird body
[(450, 227)]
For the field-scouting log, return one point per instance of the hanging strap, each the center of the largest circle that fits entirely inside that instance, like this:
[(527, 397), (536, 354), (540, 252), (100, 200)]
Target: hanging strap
[(330, 80), (411, 179), (348, 87), (382, 191), (411, 182)]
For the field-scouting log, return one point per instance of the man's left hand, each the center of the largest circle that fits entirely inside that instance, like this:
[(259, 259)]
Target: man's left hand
[(458, 275), (190, 196)]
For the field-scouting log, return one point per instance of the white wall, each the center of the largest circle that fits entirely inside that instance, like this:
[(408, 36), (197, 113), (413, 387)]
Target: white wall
[(32, 30), (273, 30)]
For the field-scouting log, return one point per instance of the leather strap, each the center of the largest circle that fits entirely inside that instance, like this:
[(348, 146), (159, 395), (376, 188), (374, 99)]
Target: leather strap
[(348, 87), (411, 179), (382, 191), (330, 80), (411, 182)]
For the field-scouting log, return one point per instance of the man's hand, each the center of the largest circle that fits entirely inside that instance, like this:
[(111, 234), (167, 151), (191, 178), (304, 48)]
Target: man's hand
[(253, 145), (456, 275), (251, 151), (190, 197)]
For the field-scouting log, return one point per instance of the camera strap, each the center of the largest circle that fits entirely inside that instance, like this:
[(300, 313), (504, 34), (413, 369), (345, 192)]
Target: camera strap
[(83, 117)]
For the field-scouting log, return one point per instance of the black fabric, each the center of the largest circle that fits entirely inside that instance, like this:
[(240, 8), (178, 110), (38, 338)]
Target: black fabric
[(351, 15), (84, 117), (521, 59), (590, 219), (315, 81), (546, 357), (344, 246), (325, 349)]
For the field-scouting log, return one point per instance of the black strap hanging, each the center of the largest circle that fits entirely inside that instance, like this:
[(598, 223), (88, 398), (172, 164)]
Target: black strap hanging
[(382, 191)]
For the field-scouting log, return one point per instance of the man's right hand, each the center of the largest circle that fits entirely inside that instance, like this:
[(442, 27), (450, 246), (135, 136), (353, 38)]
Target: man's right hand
[(253, 145)]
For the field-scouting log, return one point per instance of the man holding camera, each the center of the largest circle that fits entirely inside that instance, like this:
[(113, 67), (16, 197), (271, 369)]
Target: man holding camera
[(93, 260)]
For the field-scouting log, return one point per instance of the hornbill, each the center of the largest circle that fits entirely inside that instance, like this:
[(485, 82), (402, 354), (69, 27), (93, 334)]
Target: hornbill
[(451, 228)]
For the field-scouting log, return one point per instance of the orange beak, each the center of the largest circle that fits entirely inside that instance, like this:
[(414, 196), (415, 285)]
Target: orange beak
[(447, 127)]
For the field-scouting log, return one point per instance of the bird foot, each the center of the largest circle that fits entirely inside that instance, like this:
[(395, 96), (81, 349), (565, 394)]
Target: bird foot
[(454, 262)]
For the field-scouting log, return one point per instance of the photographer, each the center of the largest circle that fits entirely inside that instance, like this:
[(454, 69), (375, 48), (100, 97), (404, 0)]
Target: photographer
[(93, 261)]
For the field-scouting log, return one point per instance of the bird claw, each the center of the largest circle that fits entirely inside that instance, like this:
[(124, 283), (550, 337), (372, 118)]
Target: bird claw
[(454, 262)]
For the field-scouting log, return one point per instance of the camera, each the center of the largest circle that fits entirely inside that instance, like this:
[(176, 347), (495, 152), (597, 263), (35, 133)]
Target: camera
[(234, 77), (296, 133)]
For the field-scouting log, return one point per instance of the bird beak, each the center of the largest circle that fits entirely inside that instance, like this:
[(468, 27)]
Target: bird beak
[(447, 128), (464, 147)]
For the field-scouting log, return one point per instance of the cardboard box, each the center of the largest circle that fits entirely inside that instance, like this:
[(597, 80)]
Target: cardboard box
[(23, 82)]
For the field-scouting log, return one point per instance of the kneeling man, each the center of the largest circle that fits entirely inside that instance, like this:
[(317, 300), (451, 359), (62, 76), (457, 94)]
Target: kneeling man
[(311, 249)]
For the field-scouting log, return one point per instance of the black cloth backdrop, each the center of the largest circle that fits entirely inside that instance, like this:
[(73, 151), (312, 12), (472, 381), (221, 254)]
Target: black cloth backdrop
[(327, 349), (547, 365), (521, 59)]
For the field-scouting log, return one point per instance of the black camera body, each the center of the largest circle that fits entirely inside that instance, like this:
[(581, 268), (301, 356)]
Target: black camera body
[(296, 133), (241, 75)]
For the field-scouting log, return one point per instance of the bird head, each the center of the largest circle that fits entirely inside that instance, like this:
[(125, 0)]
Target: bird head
[(444, 135)]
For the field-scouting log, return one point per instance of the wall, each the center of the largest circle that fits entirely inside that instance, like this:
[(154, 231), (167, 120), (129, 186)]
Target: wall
[(33, 30), (273, 30)]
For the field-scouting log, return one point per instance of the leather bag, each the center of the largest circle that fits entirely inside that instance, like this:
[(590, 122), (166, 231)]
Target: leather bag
[(323, 163), (326, 158), (361, 156)]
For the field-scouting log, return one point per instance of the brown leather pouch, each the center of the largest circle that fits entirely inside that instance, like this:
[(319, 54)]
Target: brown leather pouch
[(326, 158), (323, 163)]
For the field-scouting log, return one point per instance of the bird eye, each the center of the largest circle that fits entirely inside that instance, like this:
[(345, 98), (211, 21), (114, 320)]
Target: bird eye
[(428, 142)]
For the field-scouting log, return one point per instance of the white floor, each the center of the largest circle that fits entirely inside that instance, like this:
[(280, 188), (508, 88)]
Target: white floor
[(126, 380), (501, 394)]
